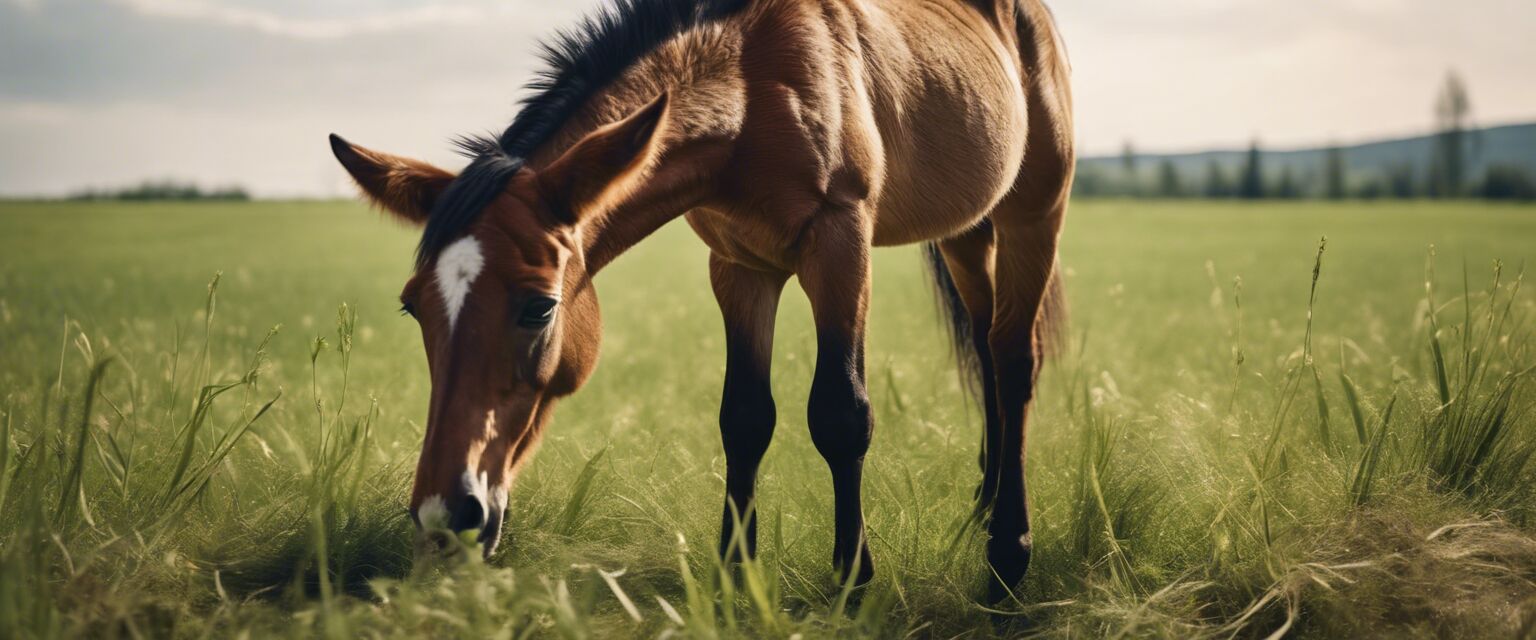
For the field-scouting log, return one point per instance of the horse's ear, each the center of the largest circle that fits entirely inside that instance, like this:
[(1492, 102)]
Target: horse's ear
[(602, 168), (407, 188)]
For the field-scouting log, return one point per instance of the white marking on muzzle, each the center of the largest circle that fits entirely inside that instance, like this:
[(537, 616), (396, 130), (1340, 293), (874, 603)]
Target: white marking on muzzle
[(498, 502), (433, 513), (477, 486), (457, 267)]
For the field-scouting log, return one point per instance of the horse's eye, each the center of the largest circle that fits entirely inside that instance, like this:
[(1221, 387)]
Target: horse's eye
[(407, 310), (537, 312)]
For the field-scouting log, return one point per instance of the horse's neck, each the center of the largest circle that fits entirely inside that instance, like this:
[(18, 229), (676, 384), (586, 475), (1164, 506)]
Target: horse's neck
[(680, 180), (703, 120)]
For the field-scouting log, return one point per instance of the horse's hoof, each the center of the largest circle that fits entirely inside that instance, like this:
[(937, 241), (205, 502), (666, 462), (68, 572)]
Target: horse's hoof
[(1009, 559), (865, 570)]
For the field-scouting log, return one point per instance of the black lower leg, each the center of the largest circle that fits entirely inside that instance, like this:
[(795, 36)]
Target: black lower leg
[(741, 488), (1010, 545), (747, 417), (992, 436), (841, 427), (850, 551)]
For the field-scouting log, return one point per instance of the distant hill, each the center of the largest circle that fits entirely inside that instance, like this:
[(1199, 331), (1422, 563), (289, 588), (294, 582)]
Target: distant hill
[(1511, 145)]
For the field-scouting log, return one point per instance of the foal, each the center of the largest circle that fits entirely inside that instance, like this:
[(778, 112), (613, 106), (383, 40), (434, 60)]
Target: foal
[(793, 135)]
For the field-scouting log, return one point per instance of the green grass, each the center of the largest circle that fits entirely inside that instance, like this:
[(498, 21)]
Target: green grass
[(1235, 445)]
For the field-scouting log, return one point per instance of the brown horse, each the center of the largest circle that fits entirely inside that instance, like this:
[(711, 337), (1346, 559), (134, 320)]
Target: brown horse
[(794, 135)]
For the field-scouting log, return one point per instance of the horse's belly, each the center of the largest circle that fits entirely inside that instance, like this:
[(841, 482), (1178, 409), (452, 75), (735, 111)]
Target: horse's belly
[(941, 197)]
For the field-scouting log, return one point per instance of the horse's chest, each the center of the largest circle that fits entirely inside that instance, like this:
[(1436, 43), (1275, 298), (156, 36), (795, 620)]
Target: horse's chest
[(761, 242)]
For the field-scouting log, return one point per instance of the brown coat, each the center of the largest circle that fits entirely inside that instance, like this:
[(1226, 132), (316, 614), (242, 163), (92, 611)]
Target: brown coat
[(794, 135)]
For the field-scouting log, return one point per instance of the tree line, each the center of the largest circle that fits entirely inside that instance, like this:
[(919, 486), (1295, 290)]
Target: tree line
[(163, 190), (1447, 173)]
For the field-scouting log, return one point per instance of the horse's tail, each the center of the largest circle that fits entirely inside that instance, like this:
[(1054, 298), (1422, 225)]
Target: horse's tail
[(1050, 324), (958, 320)]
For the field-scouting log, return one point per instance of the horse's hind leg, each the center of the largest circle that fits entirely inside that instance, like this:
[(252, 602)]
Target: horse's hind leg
[(748, 301), (969, 258), (834, 271), (1027, 224)]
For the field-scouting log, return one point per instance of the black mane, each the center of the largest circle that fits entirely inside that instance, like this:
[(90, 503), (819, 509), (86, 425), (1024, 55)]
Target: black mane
[(578, 63)]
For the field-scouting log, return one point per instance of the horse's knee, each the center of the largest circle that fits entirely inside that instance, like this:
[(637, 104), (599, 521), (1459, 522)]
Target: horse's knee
[(747, 417), (840, 419)]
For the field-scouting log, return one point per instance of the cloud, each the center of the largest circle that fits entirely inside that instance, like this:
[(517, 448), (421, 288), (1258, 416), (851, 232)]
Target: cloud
[(106, 93), (311, 28), (1190, 74), (94, 52)]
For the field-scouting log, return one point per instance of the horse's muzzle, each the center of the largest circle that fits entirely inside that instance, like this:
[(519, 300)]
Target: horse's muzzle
[(443, 524)]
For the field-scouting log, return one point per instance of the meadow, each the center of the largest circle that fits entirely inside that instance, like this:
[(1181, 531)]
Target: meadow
[(210, 413)]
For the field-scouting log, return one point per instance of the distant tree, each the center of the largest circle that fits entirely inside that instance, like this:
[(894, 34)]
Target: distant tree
[(1334, 180), (1168, 183), (1448, 168), (1287, 188), (1250, 185), (1089, 181), (1216, 185), (1375, 188), (1130, 181), (1400, 183), (1507, 182)]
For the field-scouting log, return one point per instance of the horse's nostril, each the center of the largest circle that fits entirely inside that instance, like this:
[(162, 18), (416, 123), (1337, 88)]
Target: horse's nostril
[(470, 515)]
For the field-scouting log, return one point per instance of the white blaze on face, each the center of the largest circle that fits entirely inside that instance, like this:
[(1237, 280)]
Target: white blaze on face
[(457, 267)]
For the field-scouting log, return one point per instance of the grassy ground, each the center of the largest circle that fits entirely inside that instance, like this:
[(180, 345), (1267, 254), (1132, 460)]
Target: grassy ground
[(1212, 458)]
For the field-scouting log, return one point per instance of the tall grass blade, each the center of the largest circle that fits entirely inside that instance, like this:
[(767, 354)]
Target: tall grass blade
[(5, 458), (1352, 398), (1238, 356), (1370, 459), (1292, 385), (1437, 352), (73, 490), (1324, 419), (580, 499)]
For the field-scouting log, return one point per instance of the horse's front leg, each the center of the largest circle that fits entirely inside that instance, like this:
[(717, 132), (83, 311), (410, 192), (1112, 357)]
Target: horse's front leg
[(748, 299), (834, 270)]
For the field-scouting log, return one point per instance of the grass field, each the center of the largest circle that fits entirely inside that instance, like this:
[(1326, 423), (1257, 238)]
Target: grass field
[(1211, 458)]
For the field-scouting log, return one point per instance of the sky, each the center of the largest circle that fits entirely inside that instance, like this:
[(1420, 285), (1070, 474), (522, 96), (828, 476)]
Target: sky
[(106, 93)]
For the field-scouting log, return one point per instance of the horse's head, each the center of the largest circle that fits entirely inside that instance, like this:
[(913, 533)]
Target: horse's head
[(505, 302)]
